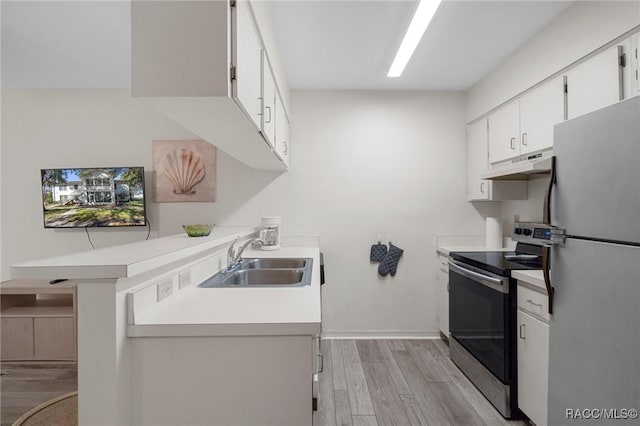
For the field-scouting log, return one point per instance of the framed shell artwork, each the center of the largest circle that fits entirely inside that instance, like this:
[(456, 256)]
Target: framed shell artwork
[(184, 170)]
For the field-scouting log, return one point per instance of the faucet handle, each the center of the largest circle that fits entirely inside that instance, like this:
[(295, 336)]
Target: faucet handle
[(231, 252)]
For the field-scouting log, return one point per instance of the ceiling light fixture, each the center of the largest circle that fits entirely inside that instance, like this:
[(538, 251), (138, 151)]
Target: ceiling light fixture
[(424, 13)]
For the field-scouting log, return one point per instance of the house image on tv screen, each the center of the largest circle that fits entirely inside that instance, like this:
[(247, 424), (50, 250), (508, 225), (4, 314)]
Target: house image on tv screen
[(93, 197), (95, 190)]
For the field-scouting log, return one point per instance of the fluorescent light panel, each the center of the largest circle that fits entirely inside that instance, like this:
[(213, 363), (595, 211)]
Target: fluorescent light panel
[(419, 23)]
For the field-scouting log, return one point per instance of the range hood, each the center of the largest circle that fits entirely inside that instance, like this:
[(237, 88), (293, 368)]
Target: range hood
[(520, 170)]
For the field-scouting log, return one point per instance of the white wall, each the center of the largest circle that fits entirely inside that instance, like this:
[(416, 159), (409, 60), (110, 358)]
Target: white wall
[(368, 163), (582, 28), (529, 210), (363, 163), (63, 128)]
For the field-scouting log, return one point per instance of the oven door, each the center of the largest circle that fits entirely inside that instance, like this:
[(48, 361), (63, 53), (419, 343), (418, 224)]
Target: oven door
[(479, 315)]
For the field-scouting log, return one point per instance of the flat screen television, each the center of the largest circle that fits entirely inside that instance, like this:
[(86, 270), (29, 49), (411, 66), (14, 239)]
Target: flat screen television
[(93, 197)]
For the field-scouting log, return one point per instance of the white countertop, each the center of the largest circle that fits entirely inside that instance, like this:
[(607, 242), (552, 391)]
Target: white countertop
[(198, 311), (127, 260), (535, 278)]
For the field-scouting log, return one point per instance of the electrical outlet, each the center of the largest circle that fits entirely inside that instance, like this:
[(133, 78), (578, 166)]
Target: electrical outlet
[(185, 279), (516, 218), (165, 288)]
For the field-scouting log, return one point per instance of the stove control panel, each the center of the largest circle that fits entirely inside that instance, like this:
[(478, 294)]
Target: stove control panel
[(538, 233)]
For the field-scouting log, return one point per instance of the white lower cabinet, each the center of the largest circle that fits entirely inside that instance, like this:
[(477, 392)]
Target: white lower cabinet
[(442, 280), (223, 380), (533, 359)]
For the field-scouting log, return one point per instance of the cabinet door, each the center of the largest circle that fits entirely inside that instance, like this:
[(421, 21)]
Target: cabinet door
[(540, 110), (504, 133), (269, 102), (594, 84), (442, 280), (17, 338), (248, 53), (54, 338), (633, 61), (477, 149), (533, 367), (282, 132)]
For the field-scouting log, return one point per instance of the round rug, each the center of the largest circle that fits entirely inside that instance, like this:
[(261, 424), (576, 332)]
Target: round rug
[(59, 411)]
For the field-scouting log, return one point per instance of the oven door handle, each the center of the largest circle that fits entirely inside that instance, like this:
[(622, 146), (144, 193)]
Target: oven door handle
[(487, 280)]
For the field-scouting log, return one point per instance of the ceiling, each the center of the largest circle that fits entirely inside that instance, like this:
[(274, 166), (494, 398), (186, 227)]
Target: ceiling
[(324, 44)]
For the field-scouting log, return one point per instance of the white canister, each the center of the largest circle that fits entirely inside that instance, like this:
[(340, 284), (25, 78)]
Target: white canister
[(270, 233)]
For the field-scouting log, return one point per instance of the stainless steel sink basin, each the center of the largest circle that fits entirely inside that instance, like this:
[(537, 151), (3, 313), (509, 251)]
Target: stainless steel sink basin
[(264, 272), (274, 263)]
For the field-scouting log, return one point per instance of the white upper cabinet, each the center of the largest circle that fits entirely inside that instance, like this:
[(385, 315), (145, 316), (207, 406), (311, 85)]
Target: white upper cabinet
[(633, 62), (247, 84), (477, 162), (504, 133), (268, 103), (283, 142), (540, 110), (479, 189), (596, 83), (526, 125), (200, 63)]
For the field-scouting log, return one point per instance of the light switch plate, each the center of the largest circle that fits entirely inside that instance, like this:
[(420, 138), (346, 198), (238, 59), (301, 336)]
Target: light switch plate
[(185, 279), (165, 288)]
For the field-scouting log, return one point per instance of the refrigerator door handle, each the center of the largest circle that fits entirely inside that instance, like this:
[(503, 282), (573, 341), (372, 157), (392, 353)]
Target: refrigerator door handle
[(546, 251), (547, 199)]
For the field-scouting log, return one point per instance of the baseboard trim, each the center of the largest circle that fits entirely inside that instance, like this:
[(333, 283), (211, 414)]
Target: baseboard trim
[(380, 335)]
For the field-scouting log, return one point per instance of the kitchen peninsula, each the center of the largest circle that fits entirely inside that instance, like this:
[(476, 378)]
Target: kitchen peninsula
[(148, 336)]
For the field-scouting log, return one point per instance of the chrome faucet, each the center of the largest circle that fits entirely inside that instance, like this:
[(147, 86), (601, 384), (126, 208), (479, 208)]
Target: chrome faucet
[(233, 255)]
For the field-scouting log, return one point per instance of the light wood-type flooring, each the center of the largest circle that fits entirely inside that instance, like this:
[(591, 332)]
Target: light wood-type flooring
[(365, 382), (397, 382), (26, 385)]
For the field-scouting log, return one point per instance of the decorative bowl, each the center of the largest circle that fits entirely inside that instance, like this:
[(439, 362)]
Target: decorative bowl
[(198, 230)]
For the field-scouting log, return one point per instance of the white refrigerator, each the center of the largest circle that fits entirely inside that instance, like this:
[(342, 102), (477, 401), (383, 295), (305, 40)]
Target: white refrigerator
[(594, 347)]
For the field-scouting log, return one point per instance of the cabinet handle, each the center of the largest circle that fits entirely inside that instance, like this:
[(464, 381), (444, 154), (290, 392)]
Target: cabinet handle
[(524, 139), (534, 303), (268, 109), (513, 143), (522, 327), (286, 150), (321, 369), (482, 187)]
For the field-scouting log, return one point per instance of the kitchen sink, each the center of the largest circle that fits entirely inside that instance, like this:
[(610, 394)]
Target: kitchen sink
[(274, 263), (264, 272)]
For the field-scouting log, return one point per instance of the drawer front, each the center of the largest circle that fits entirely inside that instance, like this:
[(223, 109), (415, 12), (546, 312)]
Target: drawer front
[(533, 302)]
